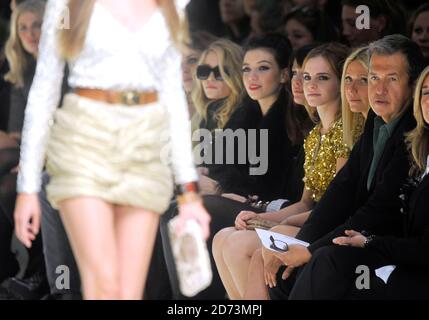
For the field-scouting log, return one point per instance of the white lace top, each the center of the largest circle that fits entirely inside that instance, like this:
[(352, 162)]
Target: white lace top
[(113, 57)]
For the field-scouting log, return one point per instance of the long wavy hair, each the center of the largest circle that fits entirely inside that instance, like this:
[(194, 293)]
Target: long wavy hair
[(71, 40), (352, 120), (18, 58), (230, 56), (418, 139)]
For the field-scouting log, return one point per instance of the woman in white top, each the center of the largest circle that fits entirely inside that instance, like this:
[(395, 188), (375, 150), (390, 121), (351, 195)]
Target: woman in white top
[(106, 147)]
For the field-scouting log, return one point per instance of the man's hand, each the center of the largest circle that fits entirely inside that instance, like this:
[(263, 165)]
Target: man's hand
[(352, 238)]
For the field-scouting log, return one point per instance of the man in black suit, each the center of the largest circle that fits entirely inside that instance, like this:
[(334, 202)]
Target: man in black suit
[(364, 194)]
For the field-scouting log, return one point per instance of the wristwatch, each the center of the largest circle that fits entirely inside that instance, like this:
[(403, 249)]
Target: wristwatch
[(368, 240)]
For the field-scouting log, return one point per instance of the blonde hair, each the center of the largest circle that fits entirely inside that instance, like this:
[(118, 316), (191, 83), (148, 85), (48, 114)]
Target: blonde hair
[(418, 138), (351, 120), (18, 58), (71, 40), (230, 57), (335, 54)]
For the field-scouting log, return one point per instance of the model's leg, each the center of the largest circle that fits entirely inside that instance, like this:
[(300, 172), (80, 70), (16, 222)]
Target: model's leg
[(89, 223), (222, 268), (135, 231), (238, 250)]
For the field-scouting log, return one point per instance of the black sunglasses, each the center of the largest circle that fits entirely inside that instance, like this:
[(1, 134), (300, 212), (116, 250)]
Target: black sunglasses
[(204, 70), (278, 245)]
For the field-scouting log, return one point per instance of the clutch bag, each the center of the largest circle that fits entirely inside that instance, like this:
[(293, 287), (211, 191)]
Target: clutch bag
[(191, 257)]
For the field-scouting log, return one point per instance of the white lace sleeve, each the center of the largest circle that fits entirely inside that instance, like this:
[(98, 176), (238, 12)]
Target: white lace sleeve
[(173, 96), (43, 99)]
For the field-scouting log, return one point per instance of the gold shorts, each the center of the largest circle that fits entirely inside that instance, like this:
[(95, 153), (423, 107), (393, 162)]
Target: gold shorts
[(113, 152)]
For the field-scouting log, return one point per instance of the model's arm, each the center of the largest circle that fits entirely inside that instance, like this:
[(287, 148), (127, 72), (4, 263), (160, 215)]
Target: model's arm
[(43, 99)]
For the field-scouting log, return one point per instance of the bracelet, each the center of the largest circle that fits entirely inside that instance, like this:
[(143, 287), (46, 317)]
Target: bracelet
[(368, 240), (188, 197), (187, 187), (251, 199), (261, 205)]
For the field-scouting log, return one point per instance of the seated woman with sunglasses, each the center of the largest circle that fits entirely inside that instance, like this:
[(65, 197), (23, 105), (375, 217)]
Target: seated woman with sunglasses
[(264, 75), (325, 154), (219, 98)]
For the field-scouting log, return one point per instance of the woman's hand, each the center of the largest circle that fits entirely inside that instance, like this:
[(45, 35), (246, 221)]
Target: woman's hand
[(195, 210), (234, 196), (353, 238), (271, 266), (208, 185), (296, 256), (242, 217), (203, 171), (27, 217)]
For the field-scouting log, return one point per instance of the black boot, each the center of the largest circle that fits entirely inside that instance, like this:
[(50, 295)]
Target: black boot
[(32, 288)]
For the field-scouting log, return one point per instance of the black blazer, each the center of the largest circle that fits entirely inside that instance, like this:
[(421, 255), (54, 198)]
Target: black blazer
[(231, 177), (279, 181), (413, 248), (347, 204), (4, 96)]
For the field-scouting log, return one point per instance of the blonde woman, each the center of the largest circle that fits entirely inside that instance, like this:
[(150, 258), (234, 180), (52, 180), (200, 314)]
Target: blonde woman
[(219, 98), (221, 86), (354, 95), (103, 150), (21, 53)]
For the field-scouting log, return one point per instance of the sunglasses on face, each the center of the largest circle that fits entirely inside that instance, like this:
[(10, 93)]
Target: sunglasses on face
[(204, 71)]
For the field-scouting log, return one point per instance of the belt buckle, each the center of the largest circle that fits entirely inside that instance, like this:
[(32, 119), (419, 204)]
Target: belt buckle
[(130, 98)]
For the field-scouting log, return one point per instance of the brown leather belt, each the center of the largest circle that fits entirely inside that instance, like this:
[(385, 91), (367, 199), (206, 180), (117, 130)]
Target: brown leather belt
[(128, 98)]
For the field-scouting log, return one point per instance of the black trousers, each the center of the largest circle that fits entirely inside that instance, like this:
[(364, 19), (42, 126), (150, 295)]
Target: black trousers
[(223, 212), (8, 264), (56, 246), (36, 262), (333, 274)]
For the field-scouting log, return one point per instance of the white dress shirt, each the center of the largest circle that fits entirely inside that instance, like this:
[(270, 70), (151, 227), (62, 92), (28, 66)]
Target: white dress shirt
[(115, 58)]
